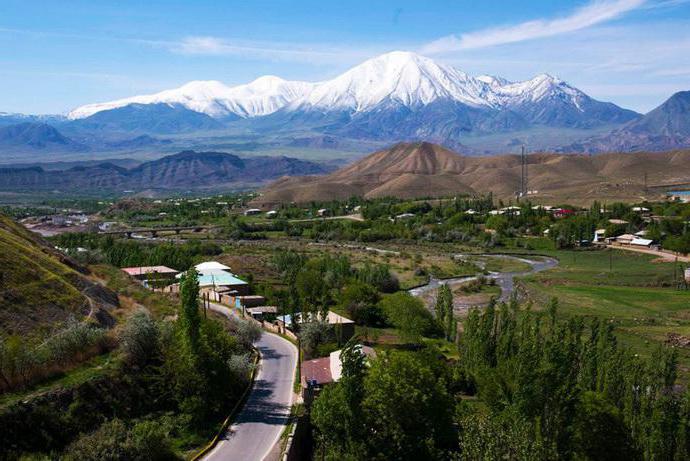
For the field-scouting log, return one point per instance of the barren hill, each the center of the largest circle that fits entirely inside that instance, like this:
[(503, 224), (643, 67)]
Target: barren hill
[(428, 170)]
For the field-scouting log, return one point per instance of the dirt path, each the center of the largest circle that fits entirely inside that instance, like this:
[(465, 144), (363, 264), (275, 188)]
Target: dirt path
[(665, 255)]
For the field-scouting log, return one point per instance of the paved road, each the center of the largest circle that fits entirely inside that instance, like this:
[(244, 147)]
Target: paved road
[(265, 414)]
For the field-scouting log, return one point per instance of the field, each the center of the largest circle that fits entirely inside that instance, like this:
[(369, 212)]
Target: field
[(636, 292)]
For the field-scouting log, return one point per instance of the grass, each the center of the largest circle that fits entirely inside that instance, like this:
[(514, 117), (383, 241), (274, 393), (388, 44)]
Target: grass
[(634, 291), (97, 366)]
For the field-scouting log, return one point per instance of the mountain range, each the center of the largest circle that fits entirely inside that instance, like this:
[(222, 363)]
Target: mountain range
[(394, 97), (418, 170), (187, 170)]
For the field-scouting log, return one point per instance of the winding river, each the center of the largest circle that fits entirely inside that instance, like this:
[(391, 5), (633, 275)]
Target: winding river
[(504, 280)]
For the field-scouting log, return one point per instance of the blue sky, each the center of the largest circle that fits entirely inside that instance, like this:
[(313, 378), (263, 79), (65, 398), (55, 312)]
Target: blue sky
[(56, 55)]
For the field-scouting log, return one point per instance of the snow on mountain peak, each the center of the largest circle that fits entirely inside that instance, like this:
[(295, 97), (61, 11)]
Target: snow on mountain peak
[(400, 76), (263, 96)]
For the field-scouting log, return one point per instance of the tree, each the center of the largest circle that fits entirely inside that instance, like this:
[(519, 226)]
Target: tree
[(408, 315), (407, 409), (189, 313), (337, 413), (444, 312)]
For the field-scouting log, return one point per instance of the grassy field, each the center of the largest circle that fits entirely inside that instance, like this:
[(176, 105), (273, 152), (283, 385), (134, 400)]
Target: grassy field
[(634, 291)]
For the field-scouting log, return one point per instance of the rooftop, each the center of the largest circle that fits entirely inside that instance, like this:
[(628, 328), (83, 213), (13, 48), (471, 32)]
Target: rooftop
[(148, 270)]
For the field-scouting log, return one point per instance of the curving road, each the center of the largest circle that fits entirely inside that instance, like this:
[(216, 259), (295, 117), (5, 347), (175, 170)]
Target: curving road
[(261, 421)]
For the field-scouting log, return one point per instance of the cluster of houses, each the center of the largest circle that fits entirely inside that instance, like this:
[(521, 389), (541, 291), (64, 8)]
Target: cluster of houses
[(217, 283)]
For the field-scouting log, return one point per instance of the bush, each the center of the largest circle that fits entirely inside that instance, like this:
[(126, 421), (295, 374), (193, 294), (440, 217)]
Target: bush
[(139, 338), (114, 441), (312, 334), (247, 332)]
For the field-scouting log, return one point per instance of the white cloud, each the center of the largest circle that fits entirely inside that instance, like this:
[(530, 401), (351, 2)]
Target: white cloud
[(587, 16), (214, 46)]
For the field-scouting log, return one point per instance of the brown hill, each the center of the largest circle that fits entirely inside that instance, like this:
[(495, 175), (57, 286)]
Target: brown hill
[(411, 170)]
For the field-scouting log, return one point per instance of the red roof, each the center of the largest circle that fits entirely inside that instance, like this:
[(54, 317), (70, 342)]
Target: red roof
[(148, 270), (318, 370)]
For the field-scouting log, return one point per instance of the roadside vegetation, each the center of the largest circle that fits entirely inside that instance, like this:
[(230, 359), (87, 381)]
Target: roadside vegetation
[(169, 384)]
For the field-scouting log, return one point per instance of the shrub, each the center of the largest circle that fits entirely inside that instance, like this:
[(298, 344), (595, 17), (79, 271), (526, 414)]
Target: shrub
[(139, 338)]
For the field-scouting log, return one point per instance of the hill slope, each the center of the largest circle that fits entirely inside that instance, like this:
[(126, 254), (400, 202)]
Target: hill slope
[(666, 127), (429, 170), (40, 288), (185, 170)]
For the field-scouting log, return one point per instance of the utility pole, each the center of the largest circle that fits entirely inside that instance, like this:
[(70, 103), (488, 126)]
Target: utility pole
[(522, 171)]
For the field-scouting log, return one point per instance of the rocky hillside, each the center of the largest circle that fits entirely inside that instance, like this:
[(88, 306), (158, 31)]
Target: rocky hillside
[(430, 170), (666, 127), (40, 288), (186, 170)]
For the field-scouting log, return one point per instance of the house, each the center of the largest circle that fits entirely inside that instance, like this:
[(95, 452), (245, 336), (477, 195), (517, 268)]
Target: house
[(271, 214), (252, 211), (562, 212), (642, 242), (215, 278), (322, 212), (405, 216), (152, 275), (640, 209), (625, 239), (618, 222), (259, 312), (599, 235), (344, 327), (322, 371)]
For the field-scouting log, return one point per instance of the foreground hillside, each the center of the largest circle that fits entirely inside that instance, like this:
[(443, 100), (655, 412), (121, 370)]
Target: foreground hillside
[(40, 288), (409, 170)]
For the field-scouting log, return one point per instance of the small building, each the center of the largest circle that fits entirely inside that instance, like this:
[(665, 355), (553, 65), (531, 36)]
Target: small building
[(271, 214), (322, 212), (625, 239), (252, 211), (687, 275), (215, 278), (211, 266), (641, 242), (618, 222), (599, 235), (251, 300), (405, 216), (58, 220), (152, 275), (259, 312), (317, 373)]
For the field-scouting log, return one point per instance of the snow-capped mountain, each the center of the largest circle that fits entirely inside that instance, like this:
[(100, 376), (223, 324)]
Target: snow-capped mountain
[(263, 96), (398, 95), (401, 77)]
